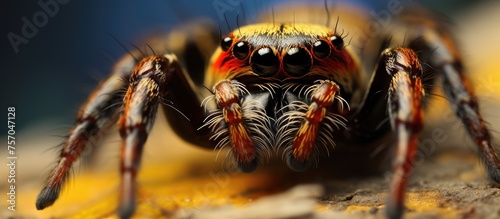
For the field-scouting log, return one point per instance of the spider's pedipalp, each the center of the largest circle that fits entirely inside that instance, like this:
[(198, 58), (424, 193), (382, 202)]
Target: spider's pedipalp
[(246, 123), (303, 126)]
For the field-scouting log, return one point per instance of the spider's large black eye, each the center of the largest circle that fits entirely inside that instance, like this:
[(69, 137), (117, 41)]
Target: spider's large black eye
[(297, 61), (321, 49), (226, 43), (264, 62), (241, 50), (337, 42)]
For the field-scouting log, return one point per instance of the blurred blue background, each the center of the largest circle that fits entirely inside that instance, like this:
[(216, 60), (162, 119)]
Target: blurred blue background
[(50, 76)]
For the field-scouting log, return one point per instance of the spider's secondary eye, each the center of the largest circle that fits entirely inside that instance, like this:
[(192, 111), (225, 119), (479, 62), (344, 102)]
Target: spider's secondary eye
[(241, 50), (226, 43), (338, 42), (264, 62), (297, 61), (321, 49)]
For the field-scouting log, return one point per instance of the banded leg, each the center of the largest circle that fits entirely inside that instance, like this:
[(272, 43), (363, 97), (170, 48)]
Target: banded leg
[(148, 84), (397, 79), (435, 46), (405, 106), (146, 90), (444, 58), (97, 113), (466, 107)]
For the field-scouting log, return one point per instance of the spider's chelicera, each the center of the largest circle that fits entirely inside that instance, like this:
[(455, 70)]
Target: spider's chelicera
[(293, 88)]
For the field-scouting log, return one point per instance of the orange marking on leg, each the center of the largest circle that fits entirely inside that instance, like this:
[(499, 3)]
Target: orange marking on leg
[(322, 98), (303, 142), (227, 98), (242, 144)]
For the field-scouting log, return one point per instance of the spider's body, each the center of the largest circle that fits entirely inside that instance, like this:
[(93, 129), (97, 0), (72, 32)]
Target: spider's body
[(291, 87)]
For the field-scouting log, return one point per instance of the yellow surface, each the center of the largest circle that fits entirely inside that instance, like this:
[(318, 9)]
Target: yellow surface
[(197, 182), (163, 189)]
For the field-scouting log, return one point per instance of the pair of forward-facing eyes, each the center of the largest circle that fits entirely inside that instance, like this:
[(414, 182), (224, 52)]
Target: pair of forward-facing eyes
[(297, 60)]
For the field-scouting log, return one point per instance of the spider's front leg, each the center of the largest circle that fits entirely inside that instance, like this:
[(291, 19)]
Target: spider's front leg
[(436, 46), (396, 88), (148, 84), (96, 114), (405, 107)]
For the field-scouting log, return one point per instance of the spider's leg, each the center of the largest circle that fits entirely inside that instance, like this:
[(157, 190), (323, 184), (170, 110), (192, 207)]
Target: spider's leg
[(405, 106), (160, 80), (444, 57), (148, 84), (398, 80), (461, 95), (193, 43), (98, 113)]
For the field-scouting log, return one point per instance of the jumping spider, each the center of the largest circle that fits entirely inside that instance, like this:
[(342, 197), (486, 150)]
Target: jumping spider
[(294, 87)]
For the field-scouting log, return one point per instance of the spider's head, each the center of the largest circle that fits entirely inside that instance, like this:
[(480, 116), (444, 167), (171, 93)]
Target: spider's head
[(282, 52), (288, 79)]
